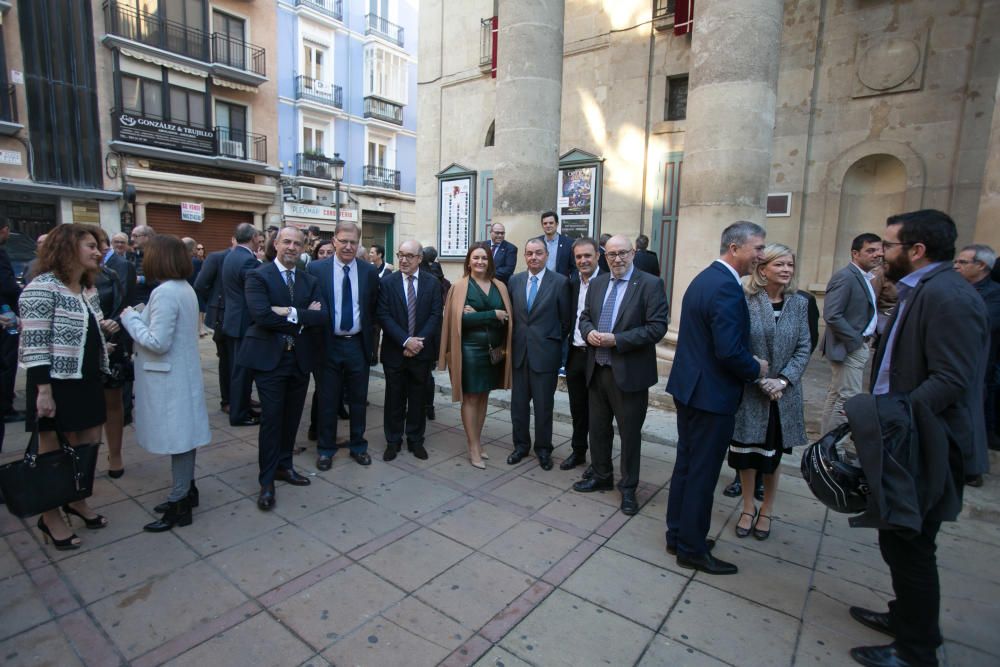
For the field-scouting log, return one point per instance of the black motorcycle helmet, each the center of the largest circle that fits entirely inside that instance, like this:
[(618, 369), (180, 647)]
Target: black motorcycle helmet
[(839, 485)]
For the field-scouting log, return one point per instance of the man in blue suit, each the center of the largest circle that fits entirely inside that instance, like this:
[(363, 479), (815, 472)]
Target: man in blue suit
[(504, 253), (349, 292), (236, 320), (409, 310), (711, 366), (559, 246), (208, 285), (281, 348)]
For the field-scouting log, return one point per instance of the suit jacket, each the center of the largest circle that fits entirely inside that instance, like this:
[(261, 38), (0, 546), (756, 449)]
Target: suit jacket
[(941, 367), (10, 291), (383, 272), (847, 310), (264, 342), (142, 290), (208, 285), (505, 261), (602, 261), (235, 267), (126, 276), (713, 361), (564, 254), (539, 333), (641, 324), (368, 287), (990, 291), (393, 315), (647, 261)]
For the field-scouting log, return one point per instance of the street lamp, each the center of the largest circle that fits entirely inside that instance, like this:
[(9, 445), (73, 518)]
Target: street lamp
[(338, 176)]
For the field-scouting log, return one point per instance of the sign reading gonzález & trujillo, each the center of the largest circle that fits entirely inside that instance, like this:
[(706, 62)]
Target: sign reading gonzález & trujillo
[(164, 134)]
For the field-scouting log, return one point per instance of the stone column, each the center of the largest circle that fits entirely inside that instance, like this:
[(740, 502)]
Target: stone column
[(729, 128), (988, 219), (528, 109), (140, 214)]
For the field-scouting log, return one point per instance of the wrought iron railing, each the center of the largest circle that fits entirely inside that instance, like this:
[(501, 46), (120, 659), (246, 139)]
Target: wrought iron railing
[(383, 27), (390, 112), (235, 53), (486, 41), (380, 177), (240, 144), (334, 8), (151, 30), (307, 88), (313, 165)]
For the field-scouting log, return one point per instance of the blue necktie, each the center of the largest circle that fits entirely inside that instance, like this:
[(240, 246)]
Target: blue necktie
[(346, 302), (603, 356), (532, 292)]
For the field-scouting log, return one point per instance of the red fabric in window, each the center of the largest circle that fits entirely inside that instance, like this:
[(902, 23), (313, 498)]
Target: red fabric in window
[(683, 16)]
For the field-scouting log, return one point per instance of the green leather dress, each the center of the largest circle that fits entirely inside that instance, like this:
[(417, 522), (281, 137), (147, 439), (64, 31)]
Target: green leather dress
[(478, 374)]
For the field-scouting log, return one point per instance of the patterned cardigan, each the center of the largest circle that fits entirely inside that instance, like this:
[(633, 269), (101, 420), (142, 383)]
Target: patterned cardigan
[(54, 327)]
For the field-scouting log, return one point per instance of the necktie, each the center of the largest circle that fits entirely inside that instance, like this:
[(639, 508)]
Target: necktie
[(603, 356), (290, 282), (346, 302), (532, 292), (411, 305), (495, 249)]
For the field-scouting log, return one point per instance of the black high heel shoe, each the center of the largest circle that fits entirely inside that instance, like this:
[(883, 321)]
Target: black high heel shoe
[(115, 474), (743, 532), (97, 522), (70, 543), (762, 534)]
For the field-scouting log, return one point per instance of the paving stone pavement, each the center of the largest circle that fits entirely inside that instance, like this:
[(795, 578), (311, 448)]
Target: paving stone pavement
[(434, 562)]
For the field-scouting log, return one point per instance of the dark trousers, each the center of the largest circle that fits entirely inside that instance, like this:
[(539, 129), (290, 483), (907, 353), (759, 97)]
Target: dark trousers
[(914, 613), (282, 397), (579, 398), (8, 370), (241, 384), (530, 389), (628, 409), (405, 403), (431, 389), (225, 366), (345, 370), (703, 438)]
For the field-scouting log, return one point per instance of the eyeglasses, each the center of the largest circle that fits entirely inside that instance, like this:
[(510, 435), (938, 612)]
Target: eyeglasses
[(964, 262), (406, 256), (343, 242), (617, 255)]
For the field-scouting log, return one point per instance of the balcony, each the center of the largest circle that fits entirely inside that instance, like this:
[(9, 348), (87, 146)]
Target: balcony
[(314, 165), (331, 8), (380, 177), (381, 109), (487, 42), (158, 38), (240, 144), (663, 14), (9, 125), (384, 28), (307, 88)]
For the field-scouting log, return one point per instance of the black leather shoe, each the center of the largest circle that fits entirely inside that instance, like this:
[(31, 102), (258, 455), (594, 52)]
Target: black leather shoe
[(265, 501), (572, 461), (420, 452), (879, 656), (362, 458), (515, 457), (312, 433), (873, 619), (390, 452), (343, 413), (974, 480), (707, 563), (249, 421), (193, 497), (630, 505), (324, 462), (709, 545), (545, 462), (591, 485), (588, 473), (734, 490), (292, 477), (430, 413)]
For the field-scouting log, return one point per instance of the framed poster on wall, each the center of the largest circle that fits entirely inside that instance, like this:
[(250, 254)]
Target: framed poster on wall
[(578, 199), (456, 211)]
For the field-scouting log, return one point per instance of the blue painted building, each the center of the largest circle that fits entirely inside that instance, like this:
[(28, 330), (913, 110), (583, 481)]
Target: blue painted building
[(347, 82)]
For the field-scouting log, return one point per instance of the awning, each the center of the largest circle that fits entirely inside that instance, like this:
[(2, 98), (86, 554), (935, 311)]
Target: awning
[(162, 62), (232, 84)]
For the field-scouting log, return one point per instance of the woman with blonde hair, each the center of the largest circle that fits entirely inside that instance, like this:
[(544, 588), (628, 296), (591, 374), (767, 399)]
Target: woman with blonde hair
[(475, 343), (770, 418)]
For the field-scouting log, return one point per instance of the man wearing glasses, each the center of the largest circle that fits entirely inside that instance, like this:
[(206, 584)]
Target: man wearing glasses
[(504, 253), (409, 310), (850, 310), (140, 237)]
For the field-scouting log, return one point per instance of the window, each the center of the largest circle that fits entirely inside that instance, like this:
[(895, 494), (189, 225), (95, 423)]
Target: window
[(187, 107), (313, 60), (385, 74), (187, 12), (379, 8), (230, 49), (378, 154), (677, 97), (491, 134), (779, 204), (313, 140), (231, 120), (142, 96)]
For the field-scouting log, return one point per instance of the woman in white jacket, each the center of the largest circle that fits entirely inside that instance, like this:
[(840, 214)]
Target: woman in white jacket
[(170, 413)]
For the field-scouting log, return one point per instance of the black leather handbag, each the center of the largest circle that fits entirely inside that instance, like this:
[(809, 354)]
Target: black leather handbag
[(41, 482)]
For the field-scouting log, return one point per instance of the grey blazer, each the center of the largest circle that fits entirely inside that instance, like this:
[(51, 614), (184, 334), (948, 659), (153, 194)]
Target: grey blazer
[(785, 344), (847, 310), (538, 335)]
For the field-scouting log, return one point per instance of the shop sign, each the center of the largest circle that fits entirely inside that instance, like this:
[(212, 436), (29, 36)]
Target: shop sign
[(191, 212), (325, 213), (164, 134), (10, 157)]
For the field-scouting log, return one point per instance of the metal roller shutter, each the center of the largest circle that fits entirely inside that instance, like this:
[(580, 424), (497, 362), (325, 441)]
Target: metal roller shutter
[(214, 232)]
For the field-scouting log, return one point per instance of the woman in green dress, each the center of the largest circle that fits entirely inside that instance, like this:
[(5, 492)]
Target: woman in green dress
[(476, 320)]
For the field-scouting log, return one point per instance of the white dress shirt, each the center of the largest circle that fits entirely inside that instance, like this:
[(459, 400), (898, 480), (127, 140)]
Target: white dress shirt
[(868, 276), (581, 303), (293, 315)]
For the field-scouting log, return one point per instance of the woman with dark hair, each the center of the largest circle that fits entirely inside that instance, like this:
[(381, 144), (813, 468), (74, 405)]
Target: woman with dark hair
[(323, 249), (170, 413), (63, 350), (475, 330)]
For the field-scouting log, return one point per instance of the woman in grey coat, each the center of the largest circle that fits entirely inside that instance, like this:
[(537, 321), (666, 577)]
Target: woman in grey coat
[(770, 418), (170, 413)]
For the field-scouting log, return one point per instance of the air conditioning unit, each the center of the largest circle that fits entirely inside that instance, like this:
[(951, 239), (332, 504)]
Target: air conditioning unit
[(231, 148), (306, 193), (321, 86)]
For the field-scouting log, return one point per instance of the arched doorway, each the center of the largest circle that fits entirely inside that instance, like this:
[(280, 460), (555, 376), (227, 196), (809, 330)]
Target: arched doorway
[(874, 188)]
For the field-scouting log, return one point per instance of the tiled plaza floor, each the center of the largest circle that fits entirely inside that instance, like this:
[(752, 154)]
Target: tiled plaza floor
[(434, 562)]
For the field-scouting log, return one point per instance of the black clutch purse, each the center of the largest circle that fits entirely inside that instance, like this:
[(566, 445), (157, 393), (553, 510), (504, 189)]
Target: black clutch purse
[(41, 482)]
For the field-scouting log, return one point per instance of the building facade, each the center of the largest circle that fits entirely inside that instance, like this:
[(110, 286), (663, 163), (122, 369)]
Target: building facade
[(347, 84)]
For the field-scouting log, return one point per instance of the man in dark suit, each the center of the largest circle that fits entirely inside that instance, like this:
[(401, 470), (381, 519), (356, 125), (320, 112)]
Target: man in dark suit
[(585, 256), (208, 285), (409, 310), (850, 310), (644, 259), (9, 339), (504, 253), (712, 364), (542, 318), (559, 246), (242, 259), (349, 292), (141, 235), (625, 317), (281, 347), (934, 351)]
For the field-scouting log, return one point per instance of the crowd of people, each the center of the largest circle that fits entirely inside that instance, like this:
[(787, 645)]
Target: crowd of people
[(109, 335)]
